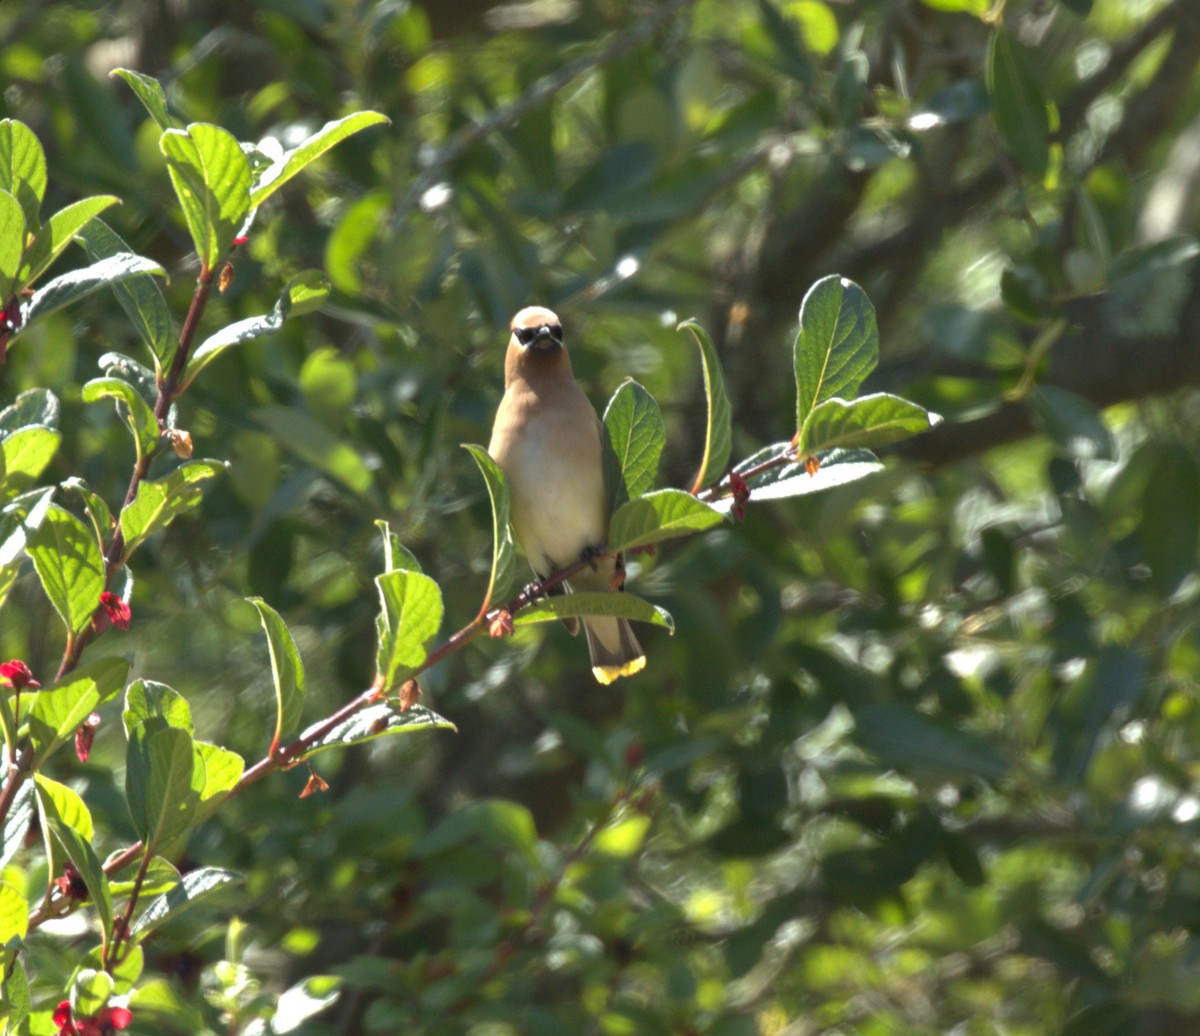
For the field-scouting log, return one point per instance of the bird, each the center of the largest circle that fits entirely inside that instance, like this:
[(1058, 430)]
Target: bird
[(546, 438)]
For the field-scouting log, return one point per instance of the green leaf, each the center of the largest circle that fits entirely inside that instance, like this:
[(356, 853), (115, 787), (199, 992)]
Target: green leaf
[(659, 516), (381, 719), (1102, 697), (211, 177), (222, 770), (17, 524), (90, 990), (1018, 105), (69, 565), (163, 780), (22, 169), (837, 467), (492, 823), (97, 510), (16, 824), (1170, 526), (159, 502), (51, 240), (868, 422), (303, 1001), (718, 435), (161, 876), (140, 296), (503, 550), (305, 292), (126, 973), (72, 286), (12, 244), (58, 711), (136, 412), (287, 669), (314, 443), (837, 345), (409, 617), (33, 406), (395, 554), (151, 701), (308, 151), (15, 1001), (195, 887), (150, 93), (1072, 422), (910, 740), (66, 816), (633, 443), (26, 453), (14, 914), (619, 605)]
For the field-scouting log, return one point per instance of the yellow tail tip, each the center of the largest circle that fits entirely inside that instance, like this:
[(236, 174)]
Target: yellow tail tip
[(606, 674)]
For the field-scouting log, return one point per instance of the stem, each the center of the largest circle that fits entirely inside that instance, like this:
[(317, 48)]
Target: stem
[(112, 956)]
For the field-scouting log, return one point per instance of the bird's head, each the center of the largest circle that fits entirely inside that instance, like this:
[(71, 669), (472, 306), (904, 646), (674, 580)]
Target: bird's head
[(537, 330)]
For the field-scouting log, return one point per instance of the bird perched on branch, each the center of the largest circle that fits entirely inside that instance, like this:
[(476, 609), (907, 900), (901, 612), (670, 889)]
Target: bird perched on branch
[(546, 439)]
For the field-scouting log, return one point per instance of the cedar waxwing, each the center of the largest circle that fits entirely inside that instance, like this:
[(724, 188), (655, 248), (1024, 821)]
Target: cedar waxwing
[(546, 439)]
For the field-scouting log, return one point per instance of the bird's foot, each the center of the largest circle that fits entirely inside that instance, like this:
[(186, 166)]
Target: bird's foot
[(589, 555)]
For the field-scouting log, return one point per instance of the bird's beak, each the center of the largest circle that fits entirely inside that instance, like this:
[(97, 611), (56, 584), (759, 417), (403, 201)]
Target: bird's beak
[(543, 339)]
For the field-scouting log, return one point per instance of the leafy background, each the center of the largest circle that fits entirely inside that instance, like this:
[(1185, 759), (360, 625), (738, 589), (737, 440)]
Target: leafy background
[(922, 752)]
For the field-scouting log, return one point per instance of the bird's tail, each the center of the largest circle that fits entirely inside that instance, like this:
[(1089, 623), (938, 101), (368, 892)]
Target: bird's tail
[(613, 648)]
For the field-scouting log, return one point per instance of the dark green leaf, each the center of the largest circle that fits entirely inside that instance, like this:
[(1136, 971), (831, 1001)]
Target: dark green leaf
[(65, 815), (634, 436), (58, 711), (195, 887), (211, 177), (136, 412), (1080, 7), (910, 740), (620, 605), (309, 150), (140, 296), (1018, 104), (1170, 526), (659, 516), (159, 502), (287, 669), (1102, 697), (503, 551), (410, 616), (382, 719), (69, 565), (868, 422), (718, 435), (837, 345), (1072, 422)]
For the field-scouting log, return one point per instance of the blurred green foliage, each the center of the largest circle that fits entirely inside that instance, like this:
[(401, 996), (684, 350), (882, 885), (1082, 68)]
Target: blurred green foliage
[(920, 755)]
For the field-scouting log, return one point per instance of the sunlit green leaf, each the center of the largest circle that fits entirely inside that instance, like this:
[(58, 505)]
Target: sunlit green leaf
[(865, 423), (33, 406), (837, 345), (22, 169), (150, 93), (65, 815), (26, 452), (15, 825), (159, 502), (147, 700), (718, 435), (163, 781), (195, 887), (58, 711), (395, 554), (312, 442), (287, 669), (12, 244), (657, 516), (410, 616), (212, 181), (51, 239), (381, 719), (69, 565), (634, 436), (135, 411), (503, 550), (14, 914), (72, 286)]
